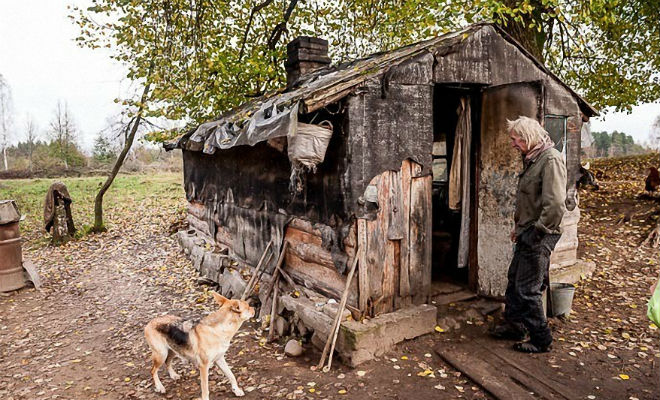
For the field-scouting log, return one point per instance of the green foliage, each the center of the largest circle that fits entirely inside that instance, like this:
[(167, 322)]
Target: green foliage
[(203, 57), (160, 136), (103, 151), (45, 155)]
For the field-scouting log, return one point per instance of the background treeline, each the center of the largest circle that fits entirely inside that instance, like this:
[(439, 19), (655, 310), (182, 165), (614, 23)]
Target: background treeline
[(52, 158), (615, 144)]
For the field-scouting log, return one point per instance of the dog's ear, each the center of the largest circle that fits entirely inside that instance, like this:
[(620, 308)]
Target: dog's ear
[(220, 299), (236, 307)]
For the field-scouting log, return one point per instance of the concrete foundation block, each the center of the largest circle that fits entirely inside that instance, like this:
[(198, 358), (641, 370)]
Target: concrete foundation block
[(572, 273), (358, 342), (365, 341)]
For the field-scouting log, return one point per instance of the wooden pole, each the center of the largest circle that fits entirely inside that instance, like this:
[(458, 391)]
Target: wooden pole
[(332, 337), (280, 260), (252, 281), (273, 311)]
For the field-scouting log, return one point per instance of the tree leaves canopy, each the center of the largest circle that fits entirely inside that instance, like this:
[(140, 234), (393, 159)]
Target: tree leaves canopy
[(211, 55)]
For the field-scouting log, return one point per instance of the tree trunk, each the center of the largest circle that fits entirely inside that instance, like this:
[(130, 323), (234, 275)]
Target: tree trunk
[(98, 200), (530, 38), (4, 156)]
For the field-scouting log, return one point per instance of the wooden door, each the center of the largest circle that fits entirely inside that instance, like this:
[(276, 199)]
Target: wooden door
[(498, 170), (395, 247)]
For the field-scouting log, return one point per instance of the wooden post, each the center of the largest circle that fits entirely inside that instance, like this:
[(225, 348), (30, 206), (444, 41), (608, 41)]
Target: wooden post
[(363, 275)]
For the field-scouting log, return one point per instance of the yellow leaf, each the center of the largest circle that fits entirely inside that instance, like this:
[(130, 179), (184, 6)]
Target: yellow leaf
[(127, 379), (312, 390), (624, 377), (625, 335), (342, 391), (404, 357), (438, 329)]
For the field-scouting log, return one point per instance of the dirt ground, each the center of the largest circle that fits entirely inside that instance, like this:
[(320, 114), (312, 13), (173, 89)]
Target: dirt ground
[(80, 337)]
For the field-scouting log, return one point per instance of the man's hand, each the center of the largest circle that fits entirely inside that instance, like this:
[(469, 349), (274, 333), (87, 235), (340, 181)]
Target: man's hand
[(514, 238)]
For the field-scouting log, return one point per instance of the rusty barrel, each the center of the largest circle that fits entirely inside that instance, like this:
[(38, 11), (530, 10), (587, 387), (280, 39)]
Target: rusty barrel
[(11, 254)]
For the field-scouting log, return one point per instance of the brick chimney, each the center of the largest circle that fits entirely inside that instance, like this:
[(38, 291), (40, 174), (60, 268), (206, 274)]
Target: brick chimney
[(304, 55)]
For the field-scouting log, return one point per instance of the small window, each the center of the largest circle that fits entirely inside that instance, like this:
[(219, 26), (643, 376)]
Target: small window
[(439, 161), (556, 127)]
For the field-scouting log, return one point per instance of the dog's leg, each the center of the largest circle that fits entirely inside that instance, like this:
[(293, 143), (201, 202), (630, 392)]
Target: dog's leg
[(158, 358), (232, 379), (204, 378), (170, 369)]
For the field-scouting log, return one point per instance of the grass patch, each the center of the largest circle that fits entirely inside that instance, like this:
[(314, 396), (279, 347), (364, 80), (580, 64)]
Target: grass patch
[(129, 194)]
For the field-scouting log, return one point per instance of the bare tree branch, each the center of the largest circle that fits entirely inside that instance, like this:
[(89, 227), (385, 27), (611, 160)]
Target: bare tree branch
[(281, 27), (255, 10)]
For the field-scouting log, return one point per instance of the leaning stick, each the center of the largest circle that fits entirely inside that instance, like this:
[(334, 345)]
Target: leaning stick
[(252, 281), (273, 311), (277, 269), (332, 338)]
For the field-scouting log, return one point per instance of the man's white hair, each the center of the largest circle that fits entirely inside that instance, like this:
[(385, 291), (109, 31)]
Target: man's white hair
[(529, 130)]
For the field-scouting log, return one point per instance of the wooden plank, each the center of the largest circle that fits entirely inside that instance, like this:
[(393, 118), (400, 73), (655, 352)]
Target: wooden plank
[(395, 227), (404, 263), (377, 261), (389, 267), (363, 270), (420, 237), (538, 383), (454, 297), (484, 374)]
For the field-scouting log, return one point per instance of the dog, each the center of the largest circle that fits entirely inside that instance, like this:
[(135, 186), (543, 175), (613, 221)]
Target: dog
[(203, 343), (586, 178)]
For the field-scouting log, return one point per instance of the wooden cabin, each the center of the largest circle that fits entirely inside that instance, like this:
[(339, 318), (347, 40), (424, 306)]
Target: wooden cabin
[(401, 158)]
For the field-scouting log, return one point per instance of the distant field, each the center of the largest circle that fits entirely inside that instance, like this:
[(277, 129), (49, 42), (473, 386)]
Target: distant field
[(128, 194)]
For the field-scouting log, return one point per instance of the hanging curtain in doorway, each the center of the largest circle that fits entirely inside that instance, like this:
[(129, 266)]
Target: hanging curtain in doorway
[(459, 177)]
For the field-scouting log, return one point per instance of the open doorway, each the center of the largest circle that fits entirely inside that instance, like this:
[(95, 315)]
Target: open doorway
[(452, 117)]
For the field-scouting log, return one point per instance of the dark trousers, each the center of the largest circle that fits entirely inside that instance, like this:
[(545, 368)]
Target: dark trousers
[(527, 279)]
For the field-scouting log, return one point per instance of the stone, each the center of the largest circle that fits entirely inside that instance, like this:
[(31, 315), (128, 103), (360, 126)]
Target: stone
[(281, 326), (448, 323), (473, 315), (293, 348)]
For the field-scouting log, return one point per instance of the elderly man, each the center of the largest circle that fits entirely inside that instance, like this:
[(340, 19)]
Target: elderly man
[(539, 211)]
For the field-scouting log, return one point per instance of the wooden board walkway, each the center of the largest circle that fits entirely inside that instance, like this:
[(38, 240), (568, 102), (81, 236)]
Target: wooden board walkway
[(500, 374)]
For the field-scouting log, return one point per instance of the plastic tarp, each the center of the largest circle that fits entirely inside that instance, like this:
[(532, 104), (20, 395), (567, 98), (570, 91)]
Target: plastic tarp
[(270, 121)]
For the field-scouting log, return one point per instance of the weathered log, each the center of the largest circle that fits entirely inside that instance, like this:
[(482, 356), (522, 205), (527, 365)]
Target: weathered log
[(324, 280)]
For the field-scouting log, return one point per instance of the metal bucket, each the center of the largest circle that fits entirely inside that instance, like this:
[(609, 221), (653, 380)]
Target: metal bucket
[(11, 255), (562, 298)]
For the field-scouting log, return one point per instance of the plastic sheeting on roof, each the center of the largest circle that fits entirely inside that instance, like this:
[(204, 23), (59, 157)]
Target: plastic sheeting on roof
[(270, 121)]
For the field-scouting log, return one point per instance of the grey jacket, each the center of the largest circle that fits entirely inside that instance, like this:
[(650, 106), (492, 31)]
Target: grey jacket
[(541, 193)]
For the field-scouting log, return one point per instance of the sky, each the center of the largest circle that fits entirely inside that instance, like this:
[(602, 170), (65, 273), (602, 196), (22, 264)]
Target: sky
[(43, 65)]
